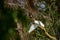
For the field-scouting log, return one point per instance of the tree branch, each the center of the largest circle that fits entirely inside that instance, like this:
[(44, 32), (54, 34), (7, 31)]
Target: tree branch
[(53, 38)]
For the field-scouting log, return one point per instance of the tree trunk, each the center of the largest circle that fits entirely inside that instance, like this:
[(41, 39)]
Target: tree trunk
[(23, 35)]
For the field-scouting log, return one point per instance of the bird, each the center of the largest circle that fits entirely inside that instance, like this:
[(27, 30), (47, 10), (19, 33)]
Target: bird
[(35, 25)]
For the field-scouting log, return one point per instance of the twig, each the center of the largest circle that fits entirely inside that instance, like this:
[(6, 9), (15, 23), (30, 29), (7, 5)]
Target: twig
[(53, 38), (32, 11)]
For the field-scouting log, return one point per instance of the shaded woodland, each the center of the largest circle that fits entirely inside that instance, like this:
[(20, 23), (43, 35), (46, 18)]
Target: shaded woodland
[(17, 16)]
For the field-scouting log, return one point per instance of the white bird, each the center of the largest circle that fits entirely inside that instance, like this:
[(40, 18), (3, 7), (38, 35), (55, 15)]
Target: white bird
[(39, 22), (36, 22), (33, 26)]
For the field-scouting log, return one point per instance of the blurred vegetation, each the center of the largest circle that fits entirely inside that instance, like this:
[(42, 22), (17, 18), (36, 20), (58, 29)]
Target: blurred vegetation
[(8, 26)]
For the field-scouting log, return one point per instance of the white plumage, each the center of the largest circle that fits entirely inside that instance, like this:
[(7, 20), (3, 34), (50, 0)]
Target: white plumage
[(34, 26), (36, 22), (41, 24)]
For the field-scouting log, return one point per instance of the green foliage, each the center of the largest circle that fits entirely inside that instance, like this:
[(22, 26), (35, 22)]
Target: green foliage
[(8, 25)]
